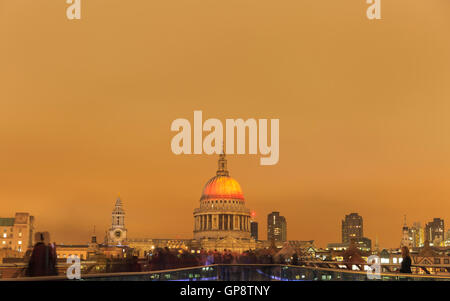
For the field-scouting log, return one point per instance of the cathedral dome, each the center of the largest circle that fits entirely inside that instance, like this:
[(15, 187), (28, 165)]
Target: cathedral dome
[(222, 187)]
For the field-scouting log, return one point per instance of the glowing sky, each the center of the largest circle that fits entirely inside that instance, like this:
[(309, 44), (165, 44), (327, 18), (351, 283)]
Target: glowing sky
[(86, 108)]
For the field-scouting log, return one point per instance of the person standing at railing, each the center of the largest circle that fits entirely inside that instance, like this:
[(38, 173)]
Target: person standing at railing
[(210, 258), (227, 259), (43, 257), (203, 257), (217, 257), (406, 262), (295, 259), (134, 265)]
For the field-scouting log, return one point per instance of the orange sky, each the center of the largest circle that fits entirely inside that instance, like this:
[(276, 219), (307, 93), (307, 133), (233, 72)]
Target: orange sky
[(86, 108)]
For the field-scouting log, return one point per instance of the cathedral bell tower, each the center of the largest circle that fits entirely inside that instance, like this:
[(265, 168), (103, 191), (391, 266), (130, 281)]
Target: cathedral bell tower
[(406, 241), (117, 234)]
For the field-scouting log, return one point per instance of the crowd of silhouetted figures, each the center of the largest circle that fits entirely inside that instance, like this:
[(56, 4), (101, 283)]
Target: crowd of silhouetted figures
[(42, 260), (163, 259)]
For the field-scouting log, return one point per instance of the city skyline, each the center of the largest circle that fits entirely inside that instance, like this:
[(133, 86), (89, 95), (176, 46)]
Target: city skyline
[(414, 224), (362, 106)]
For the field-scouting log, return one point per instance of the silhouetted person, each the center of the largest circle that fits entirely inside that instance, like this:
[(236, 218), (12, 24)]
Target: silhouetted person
[(217, 257), (43, 257), (406, 262), (295, 259), (210, 258), (227, 258), (134, 265)]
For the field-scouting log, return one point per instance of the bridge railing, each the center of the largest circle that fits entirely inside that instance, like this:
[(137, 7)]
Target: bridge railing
[(248, 272), (387, 268)]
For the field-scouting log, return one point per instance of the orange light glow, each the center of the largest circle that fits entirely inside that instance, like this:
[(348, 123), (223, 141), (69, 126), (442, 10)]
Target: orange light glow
[(222, 187)]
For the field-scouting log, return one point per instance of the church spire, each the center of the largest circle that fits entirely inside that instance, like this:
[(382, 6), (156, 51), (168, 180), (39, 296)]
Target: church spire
[(222, 170), (119, 201)]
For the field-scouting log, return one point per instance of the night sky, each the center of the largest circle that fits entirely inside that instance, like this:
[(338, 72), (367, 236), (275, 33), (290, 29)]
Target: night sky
[(86, 107)]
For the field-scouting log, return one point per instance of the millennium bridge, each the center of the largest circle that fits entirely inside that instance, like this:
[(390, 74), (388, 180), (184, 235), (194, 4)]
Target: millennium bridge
[(307, 271)]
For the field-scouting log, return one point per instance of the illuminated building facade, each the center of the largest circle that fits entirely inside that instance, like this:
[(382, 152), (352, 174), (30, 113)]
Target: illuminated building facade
[(93, 251), (352, 232), (417, 235), (276, 227), (222, 221), (352, 228), (434, 232), (254, 229), (16, 233)]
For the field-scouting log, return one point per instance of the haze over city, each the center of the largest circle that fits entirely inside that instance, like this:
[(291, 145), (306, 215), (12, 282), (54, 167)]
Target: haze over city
[(362, 109)]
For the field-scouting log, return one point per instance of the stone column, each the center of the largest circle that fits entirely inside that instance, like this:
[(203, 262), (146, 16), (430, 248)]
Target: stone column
[(240, 222), (204, 222), (248, 223), (210, 222), (225, 221), (201, 222), (231, 221)]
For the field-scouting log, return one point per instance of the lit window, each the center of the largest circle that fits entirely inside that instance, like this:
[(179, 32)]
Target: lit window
[(19, 242), (4, 242), (5, 235)]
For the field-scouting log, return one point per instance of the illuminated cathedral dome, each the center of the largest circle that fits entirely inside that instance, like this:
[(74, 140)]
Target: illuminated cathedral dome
[(222, 217), (222, 187)]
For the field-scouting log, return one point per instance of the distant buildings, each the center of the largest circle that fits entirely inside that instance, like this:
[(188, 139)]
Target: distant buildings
[(417, 235), (434, 232), (93, 251), (254, 230), (352, 227), (276, 227), (352, 231), (16, 233), (407, 240), (447, 238)]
